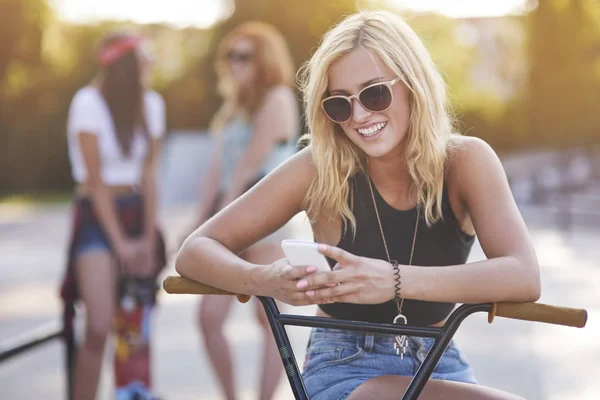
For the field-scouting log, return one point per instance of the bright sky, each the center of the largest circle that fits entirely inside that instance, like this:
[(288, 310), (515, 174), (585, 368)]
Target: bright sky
[(200, 13), (464, 8), (203, 13)]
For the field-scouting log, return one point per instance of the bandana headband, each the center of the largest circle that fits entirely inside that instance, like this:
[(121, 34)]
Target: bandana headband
[(118, 49)]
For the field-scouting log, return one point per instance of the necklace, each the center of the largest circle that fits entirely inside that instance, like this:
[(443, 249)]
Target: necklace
[(400, 342)]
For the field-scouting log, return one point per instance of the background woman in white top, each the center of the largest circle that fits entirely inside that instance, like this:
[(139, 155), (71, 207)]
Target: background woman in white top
[(114, 131)]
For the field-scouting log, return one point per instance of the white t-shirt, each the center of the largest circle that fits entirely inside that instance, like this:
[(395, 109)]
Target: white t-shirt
[(89, 113)]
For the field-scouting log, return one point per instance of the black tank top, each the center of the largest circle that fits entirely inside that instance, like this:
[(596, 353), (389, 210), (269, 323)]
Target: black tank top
[(441, 244)]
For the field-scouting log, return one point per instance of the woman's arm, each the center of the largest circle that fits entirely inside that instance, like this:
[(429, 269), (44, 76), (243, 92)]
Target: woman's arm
[(149, 190), (510, 273), (271, 124), (209, 255), (146, 262), (102, 200)]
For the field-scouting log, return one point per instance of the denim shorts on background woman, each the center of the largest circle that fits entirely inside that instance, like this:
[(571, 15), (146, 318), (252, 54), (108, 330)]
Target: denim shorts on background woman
[(90, 235), (338, 361)]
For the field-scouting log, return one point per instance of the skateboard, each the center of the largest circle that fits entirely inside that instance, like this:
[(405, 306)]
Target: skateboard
[(132, 324)]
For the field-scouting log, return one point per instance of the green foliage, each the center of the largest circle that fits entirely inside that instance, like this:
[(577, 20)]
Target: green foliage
[(564, 84), (483, 64), (21, 28), (540, 84)]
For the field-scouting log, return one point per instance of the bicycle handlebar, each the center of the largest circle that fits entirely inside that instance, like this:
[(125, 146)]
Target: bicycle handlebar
[(536, 312)]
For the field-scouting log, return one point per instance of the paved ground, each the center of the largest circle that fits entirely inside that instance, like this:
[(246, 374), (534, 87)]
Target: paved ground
[(536, 361)]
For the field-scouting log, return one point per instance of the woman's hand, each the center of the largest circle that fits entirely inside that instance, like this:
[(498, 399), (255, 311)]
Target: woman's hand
[(128, 255), (137, 257), (354, 279), (147, 257), (279, 281)]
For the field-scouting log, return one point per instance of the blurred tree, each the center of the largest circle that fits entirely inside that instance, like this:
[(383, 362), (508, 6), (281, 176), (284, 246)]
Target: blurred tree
[(484, 66), (21, 29), (22, 24), (564, 84), (186, 91), (454, 59)]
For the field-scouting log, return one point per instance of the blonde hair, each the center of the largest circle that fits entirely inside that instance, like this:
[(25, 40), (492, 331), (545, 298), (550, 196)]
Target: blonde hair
[(335, 157), (273, 63)]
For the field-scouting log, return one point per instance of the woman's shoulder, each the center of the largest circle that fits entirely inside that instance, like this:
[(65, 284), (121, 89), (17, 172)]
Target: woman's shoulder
[(280, 90), (87, 96), (468, 157), (299, 168), (280, 94), (303, 160), (153, 98), (465, 149), (85, 110)]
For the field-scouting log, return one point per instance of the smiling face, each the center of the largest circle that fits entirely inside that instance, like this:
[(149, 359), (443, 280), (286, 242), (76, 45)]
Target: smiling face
[(376, 133)]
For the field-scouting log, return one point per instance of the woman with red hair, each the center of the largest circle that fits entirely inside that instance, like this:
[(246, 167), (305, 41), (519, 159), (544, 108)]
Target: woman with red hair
[(254, 131)]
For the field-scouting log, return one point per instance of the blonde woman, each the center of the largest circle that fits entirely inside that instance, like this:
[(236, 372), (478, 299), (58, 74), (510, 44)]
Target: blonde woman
[(395, 198), (255, 130)]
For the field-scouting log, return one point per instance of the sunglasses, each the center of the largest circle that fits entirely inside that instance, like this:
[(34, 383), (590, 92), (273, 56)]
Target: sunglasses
[(375, 98), (238, 56)]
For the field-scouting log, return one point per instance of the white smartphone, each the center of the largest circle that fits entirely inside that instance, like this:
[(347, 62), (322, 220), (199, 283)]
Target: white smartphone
[(300, 253)]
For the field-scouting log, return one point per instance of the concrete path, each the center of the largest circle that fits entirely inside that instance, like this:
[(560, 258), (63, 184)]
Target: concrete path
[(536, 361)]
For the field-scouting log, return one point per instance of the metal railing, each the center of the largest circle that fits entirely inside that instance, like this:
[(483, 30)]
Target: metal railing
[(29, 340), (35, 338)]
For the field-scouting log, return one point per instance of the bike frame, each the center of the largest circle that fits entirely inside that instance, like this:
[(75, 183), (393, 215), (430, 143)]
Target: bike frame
[(442, 336), (527, 311)]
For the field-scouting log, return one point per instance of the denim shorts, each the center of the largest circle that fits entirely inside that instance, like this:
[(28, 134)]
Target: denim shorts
[(90, 235), (338, 361)]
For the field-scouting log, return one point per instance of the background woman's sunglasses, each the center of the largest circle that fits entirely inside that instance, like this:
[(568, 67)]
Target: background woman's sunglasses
[(238, 56), (375, 98)]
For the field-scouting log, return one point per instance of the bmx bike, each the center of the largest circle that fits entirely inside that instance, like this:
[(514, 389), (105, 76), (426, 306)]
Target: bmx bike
[(524, 311)]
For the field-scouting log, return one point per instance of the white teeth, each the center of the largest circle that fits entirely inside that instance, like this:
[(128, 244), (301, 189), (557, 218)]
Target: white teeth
[(372, 130)]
